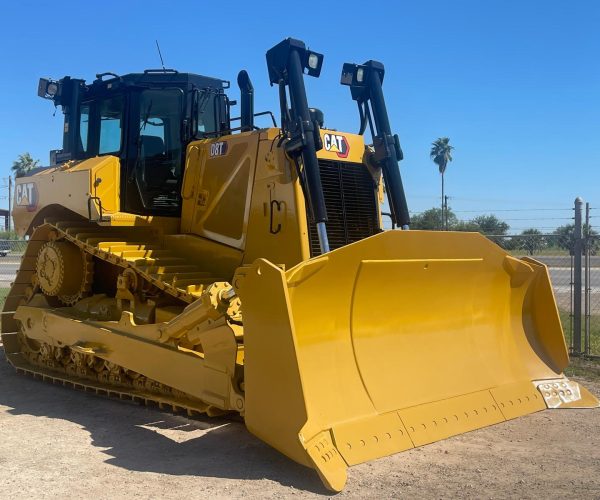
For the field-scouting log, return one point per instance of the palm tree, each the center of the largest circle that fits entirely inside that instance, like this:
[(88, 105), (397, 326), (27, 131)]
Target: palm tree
[(441, 154), (23, 164)]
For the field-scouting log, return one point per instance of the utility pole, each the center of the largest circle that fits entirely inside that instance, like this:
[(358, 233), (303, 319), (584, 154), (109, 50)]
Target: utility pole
[(9, 202), (446, 212)]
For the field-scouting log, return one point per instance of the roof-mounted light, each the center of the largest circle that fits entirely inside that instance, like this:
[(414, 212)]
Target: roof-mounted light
[(360, 74), (357, 76), (314, 61), (48, 89), (277, 60)]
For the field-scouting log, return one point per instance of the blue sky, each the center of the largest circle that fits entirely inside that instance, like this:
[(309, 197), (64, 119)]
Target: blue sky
[(514, 84)]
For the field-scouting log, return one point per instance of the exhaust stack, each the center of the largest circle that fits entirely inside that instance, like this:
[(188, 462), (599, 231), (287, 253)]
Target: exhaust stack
[(247, 100)]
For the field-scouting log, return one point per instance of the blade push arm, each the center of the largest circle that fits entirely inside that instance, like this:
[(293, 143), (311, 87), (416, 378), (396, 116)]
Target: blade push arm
[(287, 62), (365, 82)]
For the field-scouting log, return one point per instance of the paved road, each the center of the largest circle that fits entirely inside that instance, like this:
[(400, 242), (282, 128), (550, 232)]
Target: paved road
[(561, 279), (8, 269), (564, 260)]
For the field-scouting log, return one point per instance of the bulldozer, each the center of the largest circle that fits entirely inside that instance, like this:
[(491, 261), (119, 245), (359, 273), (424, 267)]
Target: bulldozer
[(181, 256)]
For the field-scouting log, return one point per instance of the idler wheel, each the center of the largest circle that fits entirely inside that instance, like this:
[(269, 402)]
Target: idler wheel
[(63, 271)]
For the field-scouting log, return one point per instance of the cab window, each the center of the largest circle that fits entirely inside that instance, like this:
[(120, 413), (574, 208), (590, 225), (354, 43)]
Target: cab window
[(111, 125), (205, 113), (84, 120)]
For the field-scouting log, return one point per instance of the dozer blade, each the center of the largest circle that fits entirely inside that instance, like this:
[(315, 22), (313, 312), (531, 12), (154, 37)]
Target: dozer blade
[(399, 340)]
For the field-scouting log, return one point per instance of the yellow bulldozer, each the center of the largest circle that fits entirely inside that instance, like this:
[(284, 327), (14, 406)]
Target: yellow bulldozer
[(182, 256)]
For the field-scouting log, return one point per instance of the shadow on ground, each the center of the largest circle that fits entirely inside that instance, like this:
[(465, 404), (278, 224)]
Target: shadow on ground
[(144, 439)]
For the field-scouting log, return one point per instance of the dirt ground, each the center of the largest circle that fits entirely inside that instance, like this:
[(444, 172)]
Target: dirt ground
[(58, 442)]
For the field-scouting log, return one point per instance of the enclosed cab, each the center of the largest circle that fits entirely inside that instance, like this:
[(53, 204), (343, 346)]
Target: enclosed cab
[(145, 120)]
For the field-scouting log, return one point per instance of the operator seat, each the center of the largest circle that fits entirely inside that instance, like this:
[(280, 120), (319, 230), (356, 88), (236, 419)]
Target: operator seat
[(154, 161)]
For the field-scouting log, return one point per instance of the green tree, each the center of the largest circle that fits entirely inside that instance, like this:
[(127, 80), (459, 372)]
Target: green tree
[(565, 237), (23, 164), (9, 235), (532, 241), (466, 226), (494, 228), (490, 224), (441, 154), (431, 219)]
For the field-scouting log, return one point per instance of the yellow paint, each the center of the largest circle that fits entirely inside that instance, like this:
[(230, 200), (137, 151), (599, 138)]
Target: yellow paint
[(62, 188), (247, 199), (222, 258), (240, 205), (217, 188), (277, 228), (427, 423), (396, 341), (208, 377), (106, 179), (399, 340), (69, 186), (372, 437)]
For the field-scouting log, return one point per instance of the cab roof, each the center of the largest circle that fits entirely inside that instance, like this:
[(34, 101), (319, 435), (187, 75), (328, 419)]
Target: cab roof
[(151, 77)]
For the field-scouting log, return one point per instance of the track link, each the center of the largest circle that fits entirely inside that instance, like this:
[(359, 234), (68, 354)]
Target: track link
[(142, 250)]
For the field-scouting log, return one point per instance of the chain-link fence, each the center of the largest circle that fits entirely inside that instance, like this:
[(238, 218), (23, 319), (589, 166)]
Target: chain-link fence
[(573, 260), (591, 283), (11, 252)]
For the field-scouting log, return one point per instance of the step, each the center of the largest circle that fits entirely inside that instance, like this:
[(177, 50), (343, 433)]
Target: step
[(183, 284), (158, 270), (194, 277), (122, 246), (159, 261), (137, 254), (93, 230), (116, 239)]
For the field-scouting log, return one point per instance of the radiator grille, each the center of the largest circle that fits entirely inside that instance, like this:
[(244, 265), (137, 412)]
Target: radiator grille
[(351, 201)]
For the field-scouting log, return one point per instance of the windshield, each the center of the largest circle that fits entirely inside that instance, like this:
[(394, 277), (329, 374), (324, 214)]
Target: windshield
[(159, 148)]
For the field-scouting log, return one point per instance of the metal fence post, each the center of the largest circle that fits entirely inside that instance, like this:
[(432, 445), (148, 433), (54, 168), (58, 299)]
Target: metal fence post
[(587, 280), (577, 251)]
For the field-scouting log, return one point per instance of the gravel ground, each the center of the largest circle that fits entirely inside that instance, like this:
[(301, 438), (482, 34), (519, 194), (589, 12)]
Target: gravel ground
[(58, 442)]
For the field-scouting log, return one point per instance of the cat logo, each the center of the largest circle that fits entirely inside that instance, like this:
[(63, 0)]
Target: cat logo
[(337, 144), (26, 195)]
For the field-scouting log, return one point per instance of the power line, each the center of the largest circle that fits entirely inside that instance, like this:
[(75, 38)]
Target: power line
[(550, 228), (514, 210), (540, 218), (513, 218)]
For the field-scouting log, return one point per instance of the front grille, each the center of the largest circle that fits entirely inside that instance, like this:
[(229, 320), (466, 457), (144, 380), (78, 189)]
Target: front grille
[(351, 201)]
